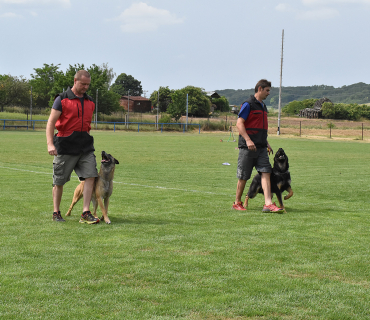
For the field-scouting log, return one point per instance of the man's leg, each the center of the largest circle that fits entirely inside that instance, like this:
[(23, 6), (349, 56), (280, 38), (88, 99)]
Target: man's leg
[(87, 193), (57, 198), (266, 187), (86, 216), (239, 190)]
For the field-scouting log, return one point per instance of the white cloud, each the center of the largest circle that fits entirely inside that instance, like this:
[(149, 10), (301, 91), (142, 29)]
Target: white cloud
[(284, 7), (64, 3), (318, 14), (10, 15), (318, 9), (329, 2), (141, 17)]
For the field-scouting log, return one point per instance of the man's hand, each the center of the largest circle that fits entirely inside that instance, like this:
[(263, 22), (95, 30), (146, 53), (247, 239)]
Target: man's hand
[(52, 150), (251, 146)]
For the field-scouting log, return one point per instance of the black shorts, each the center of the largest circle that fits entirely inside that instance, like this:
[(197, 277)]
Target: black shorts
[(249, 159)]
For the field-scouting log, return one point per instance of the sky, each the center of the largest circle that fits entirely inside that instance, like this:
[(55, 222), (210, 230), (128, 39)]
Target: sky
[(214, 44)]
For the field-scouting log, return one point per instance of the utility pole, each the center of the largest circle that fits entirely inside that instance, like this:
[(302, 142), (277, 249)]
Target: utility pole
[(31, 107), (158, 110), (96, 110), (281, 81), (128, 108), (187, 110)]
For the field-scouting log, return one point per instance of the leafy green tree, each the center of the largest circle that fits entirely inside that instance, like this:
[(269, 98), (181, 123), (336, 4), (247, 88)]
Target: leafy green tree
[(14, 91), (222, 104), (199, 104), (124, 83), (108, 101), (42, 83), (308, 103), (328, 110), (164, 98), (177, 107), (293, 107)]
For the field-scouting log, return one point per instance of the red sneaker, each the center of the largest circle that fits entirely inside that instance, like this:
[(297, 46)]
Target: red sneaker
[(238, 206), (272, 208)]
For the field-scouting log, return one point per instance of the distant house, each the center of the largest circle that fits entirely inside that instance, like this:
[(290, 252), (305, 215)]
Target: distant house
[(213, 94), (316, 111), (137, 104)]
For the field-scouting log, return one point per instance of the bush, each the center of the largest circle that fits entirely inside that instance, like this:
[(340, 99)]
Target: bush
[(165, 119), (213, 126)]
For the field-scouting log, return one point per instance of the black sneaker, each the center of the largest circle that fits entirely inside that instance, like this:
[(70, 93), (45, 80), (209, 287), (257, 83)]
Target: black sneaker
[(57, 217), (88, 218)]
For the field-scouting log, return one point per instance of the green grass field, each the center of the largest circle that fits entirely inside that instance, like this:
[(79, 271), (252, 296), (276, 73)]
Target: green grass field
[(175, 249)]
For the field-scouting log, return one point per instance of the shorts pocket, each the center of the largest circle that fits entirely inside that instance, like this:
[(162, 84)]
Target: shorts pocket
[(58, 168)]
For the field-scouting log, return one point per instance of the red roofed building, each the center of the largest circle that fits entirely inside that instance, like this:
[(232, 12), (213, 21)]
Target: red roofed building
[(137, 104)]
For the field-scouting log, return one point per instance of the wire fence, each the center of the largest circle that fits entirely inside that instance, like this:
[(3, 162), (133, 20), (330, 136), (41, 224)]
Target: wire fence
[(14, 124), (289, 126)]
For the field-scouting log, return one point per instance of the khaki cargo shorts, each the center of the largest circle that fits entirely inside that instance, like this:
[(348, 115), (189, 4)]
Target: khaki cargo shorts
[(84, 165)]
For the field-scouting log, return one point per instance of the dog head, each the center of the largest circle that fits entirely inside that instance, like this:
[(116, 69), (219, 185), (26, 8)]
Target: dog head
[(281, 161), (107, 159)]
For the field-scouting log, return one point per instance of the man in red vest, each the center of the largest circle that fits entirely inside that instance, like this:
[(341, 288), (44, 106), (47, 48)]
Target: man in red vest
[(254, 148), (72, 146)]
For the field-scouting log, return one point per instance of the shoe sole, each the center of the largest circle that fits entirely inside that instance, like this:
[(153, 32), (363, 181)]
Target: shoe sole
[(89, 222), (269, 211)]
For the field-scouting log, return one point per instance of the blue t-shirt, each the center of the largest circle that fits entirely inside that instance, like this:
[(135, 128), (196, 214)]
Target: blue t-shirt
[(245, 110)]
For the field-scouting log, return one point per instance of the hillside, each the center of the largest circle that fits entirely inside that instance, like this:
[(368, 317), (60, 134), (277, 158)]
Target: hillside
[(355, 93)]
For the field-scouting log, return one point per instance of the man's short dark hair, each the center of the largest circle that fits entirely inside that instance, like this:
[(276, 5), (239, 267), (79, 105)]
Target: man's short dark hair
[(82, 73), (262, 83)]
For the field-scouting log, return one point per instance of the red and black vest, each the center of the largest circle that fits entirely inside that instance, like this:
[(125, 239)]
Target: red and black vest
[(74, 124), (256, 124)]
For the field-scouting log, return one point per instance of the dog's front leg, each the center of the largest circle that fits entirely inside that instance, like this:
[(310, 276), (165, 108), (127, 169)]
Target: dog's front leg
[(102, 208), (106, 204), (95, 205), (281, 205), (290, 194)]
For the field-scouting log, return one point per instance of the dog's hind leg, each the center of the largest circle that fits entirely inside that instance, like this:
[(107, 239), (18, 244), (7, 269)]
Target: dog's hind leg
[(76, 197), (246, 201), (290, 194)]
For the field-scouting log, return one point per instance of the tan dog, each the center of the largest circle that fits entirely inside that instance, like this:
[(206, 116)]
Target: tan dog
[(103, 187)]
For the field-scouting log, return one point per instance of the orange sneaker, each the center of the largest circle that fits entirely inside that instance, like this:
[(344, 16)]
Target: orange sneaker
[(272, 208), (238, 206)]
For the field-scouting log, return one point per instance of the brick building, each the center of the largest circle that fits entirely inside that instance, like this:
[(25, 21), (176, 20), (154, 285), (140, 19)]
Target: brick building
[(137, 104)]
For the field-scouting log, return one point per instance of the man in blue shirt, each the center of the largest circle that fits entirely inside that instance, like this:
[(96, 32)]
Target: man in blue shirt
[(254, 148)]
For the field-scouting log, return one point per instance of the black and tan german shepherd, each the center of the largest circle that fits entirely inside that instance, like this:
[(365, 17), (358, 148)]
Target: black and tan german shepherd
[(103, 187), (280, 180)]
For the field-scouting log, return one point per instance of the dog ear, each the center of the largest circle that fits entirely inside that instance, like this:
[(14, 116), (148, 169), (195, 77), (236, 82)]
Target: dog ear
[(116, 161)]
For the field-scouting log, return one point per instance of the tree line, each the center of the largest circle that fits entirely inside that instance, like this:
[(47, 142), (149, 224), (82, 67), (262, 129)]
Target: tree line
[(46, 82), (329, 110), (356, 93)]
